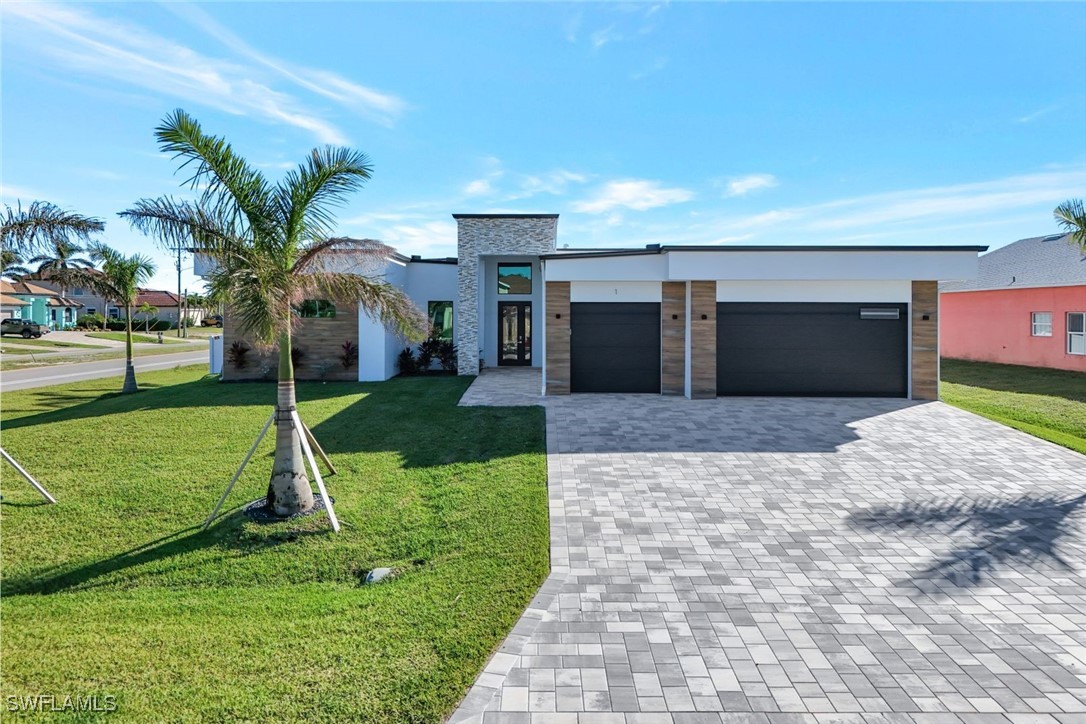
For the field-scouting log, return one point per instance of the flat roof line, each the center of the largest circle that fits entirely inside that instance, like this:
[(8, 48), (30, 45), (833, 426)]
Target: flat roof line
[(505, 216)]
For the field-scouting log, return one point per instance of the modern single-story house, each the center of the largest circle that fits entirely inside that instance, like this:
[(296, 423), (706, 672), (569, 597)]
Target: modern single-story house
[(43, 304), (698, 321), (1026, 306)]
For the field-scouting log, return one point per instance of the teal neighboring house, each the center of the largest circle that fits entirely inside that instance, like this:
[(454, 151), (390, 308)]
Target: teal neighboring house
[(40, 304)]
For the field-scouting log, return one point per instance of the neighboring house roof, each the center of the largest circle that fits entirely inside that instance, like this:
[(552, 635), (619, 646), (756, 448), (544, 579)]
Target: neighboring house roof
[(1040, 261), (9, 301), (665, 248), (63, 302), (156, 298), (28, 288)]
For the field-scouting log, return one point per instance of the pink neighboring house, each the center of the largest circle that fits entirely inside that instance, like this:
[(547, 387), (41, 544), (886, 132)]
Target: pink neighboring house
[(1027, 306)]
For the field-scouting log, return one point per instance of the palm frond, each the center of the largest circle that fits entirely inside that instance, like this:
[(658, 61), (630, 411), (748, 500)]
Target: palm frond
[(308, 194), (30, 230), (120, 278), (1071, 216), (178, 223), (379, 299), (227, 183), (343, 253)]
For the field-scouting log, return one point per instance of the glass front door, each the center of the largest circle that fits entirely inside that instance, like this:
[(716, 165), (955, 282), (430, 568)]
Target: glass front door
[(514, 333)]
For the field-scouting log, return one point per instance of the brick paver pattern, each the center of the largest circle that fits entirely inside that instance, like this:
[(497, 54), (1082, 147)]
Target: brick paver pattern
[(788, 560)]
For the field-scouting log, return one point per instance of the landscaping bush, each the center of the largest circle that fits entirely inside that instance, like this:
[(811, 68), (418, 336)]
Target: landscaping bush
[(407, 363), (237, 353), (427, 352), (115, 325), (91, 321), (349, 355), (446, 355), (296, 356)]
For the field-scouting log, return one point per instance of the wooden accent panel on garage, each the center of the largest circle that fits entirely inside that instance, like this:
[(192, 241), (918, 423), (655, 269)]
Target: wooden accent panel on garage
[(925, 340), (557, 326), (702, 340), (321, 341), (673, 339)]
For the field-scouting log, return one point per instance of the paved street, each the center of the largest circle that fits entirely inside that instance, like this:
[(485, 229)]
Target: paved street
[(59, 374), (798, 560)]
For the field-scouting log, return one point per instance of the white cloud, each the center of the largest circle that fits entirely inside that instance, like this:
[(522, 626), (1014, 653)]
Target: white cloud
[(95, 46), (743, 185), (1037, 114), (636, 194), (655, 67), (13, 195), (555, 183), (478, 187), (603, 36)]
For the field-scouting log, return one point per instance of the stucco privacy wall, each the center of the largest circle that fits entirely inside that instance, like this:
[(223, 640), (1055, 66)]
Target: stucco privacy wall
[(479, 235)]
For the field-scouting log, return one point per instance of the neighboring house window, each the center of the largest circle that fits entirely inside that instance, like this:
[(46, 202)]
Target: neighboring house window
[(52, 315), (114, 313), (1076, 333), (1041, 324), (316, 308), (68, 314), (91, 310), (79, 292), (514, 278), (441, 319)]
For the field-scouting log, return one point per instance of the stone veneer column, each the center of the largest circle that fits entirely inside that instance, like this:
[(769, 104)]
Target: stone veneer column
[(673, 339), (925, 340), (490, 234), (702, 340), (557, 325)]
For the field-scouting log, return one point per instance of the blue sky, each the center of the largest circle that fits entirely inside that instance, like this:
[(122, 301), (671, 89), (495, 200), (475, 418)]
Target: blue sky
[(637, 122)]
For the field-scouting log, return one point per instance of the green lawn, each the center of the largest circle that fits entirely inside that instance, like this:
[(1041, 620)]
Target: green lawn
[(136, 338), (116, 590), (46, 342), (1050, 404)]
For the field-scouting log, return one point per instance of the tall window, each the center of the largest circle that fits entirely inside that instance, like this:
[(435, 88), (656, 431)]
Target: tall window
[(1041, 324), (514, 278), (316, 309), (1076, 333), (440, 315)]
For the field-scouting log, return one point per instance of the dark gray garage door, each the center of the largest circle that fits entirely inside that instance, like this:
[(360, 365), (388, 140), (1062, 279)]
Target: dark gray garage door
[(811, 349), (615, 347)]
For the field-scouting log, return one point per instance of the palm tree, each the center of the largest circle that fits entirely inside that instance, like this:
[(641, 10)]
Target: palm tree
[(148, 311), (118, 281), (1071, 216), (61, 256), (40, 225), (12, 265), (273, 247)]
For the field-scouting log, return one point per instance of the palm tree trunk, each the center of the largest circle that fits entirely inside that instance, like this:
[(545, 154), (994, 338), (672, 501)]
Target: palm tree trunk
[(289, 491), (129, 370)]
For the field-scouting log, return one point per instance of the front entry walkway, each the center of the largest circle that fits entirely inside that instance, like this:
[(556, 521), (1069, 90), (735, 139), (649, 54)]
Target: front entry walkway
[(798, 560), (505, 387)]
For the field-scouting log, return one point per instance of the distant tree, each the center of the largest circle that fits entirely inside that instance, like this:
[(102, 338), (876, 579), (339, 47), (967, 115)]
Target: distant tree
[(61, 257), (119, 281), (148, 311), (273, 246), (1071, 216)]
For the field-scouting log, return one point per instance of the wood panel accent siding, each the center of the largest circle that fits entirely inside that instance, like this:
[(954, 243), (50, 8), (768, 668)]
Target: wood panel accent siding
[(321, 340), (673, 339), (557, 326), (702, 340), (925, 340)]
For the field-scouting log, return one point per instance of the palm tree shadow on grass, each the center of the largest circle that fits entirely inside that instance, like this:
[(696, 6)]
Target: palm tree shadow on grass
[(994, 534), (226, 534)]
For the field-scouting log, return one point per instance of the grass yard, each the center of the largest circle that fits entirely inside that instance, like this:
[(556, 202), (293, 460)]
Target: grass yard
[(117, 591), (136, 338), (1050, 404), (46, 342)]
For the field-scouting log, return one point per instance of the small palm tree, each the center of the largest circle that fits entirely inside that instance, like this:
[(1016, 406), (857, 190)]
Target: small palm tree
[(119, 282), (273, 246), (12, 265), (1071, 216), (148, 311), (41, 225), (63, 254)]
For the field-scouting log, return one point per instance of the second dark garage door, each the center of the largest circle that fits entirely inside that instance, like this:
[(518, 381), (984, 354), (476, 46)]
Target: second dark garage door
[(811, 349), (614, 347)]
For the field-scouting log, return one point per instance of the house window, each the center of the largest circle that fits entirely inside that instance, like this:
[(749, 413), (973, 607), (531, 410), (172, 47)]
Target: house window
[(440, 315), (1041, 324), (1076, 333), (514, 278), (316, 309), (79, 292), (91, 310), (114, 313)]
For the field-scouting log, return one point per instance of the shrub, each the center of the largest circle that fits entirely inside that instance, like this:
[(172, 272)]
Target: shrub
[(407, 362), (117, 325), (237, 353), (91, 321), (296, 356), (349, 355), (324, 367), (427, 352), (446, 355)]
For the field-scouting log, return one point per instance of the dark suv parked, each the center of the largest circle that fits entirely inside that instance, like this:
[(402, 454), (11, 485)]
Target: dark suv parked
[(25, 328)]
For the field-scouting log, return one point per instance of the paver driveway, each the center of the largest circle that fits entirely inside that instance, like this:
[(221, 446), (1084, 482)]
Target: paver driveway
[(840, 560)]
